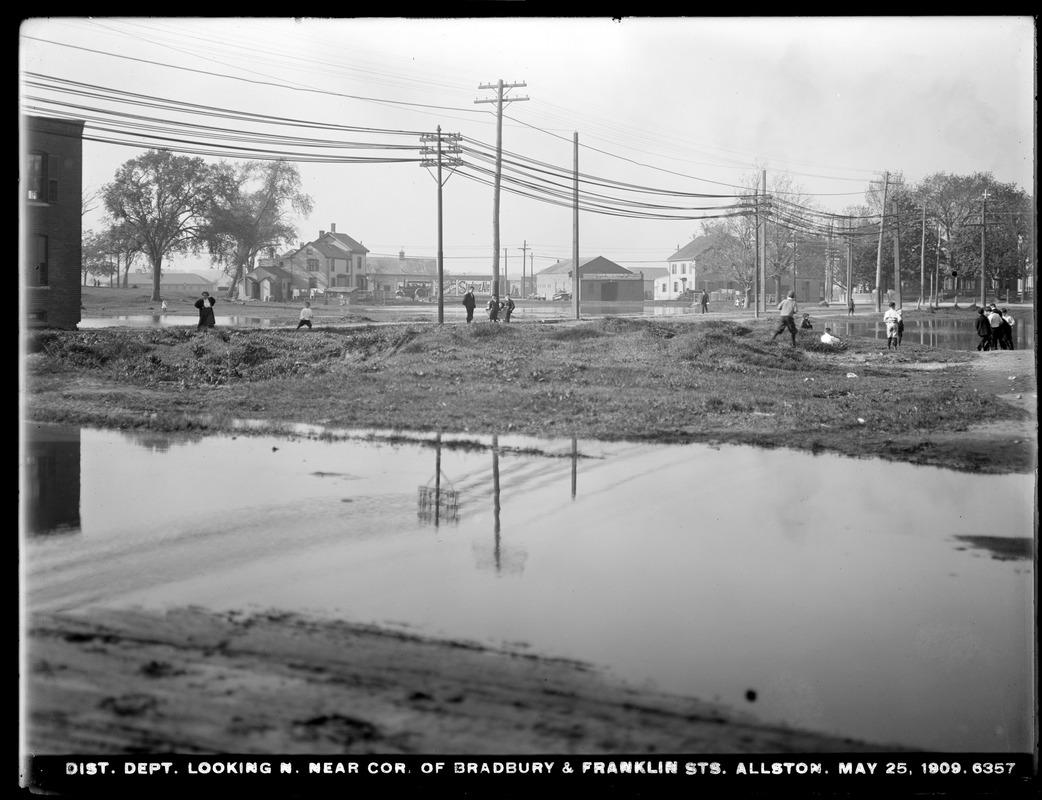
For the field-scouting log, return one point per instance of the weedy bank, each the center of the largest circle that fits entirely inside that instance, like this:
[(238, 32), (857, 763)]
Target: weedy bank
[(611, 378)]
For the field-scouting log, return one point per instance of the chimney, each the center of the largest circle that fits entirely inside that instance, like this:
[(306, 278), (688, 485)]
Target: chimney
[(332, 227), (301, 245), (401, 254), (321, 234)]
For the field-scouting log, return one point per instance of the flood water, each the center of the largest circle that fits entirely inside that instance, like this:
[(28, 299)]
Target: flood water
[(885, 602)]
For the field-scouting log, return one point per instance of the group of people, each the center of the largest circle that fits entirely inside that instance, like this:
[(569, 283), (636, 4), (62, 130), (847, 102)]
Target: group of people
[(492, 308), (994, 328)]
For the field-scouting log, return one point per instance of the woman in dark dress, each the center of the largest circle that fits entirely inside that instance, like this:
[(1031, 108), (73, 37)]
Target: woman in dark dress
[(205, 305)]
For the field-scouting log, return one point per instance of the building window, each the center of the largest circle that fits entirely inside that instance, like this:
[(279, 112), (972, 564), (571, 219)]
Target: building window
[(312, 265), (673, 269), (683, 269), (358, 263), (674, 286), (42, 178), (332, 264), (312, 283), (38, 261)]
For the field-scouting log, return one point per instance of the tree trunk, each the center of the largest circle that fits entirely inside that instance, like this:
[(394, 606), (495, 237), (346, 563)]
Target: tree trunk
[(157, 263)]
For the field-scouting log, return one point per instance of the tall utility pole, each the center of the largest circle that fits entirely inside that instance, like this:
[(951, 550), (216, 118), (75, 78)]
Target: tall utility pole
[(447, 143), (763, 242), (879, 251), (829, 260), (756, 252), (576, 283), (850, 260), (506, 280), (524, 250), (983, 245), (794, 245), (897, 257), (937, 269), (922, 263), (499, 99)]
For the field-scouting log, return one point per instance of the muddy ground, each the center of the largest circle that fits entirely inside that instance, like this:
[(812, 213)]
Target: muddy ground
[(104, 681)]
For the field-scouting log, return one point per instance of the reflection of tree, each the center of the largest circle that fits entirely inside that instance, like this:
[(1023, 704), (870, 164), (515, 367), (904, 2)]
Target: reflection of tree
[(435, 502), (157, 442), (498, 557)]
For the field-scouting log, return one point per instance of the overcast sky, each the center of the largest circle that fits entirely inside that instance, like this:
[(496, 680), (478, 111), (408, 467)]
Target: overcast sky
[(673, 106)]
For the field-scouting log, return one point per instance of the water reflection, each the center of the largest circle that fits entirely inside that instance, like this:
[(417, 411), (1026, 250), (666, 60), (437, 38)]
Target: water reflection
[(171, 321), (699, 570), (952, 334), (50, 485)]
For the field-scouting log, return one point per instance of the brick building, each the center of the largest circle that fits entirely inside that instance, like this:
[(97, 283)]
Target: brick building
[(50, 222)]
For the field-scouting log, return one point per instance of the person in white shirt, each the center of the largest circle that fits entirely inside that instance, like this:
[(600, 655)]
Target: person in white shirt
[(305, 316), (892, 318), (828, 338)]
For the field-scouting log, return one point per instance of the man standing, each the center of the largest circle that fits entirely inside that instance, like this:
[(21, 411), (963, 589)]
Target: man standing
[(787, 309), (508, 308), (892, 320), (305, 316), (468, 303), (205, 305), (995, 320), (705, 301), (983, 327)]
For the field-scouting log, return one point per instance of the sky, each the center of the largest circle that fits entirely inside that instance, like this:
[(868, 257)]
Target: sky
[(668, 118)]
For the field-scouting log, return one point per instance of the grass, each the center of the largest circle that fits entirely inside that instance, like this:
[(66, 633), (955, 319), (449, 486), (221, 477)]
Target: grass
[(611, 378)]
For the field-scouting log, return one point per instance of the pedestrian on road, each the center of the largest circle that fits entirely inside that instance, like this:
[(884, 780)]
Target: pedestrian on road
[(850, 306), (508, 308), (205, 305), (305, 316), (892, 319), (468, 303), (1008, 329), (983, 330), (787, 309), (493, 309), (705, 301)]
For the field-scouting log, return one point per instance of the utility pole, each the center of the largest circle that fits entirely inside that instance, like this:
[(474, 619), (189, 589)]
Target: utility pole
[(922, 263), (756, 253), (983, 246), (794, 244), (506, 280), (879, 251), (850, 260), (576, 283), (524, 250), (763, 241), (897, 257), (499, 99), (937, 269), (829, 261), (449, 143)]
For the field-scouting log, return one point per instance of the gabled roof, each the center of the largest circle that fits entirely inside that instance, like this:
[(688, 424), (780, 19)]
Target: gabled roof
[(693, 249), (596, 264), (652, 273), (329, 250), (347, 242), (268, 272)]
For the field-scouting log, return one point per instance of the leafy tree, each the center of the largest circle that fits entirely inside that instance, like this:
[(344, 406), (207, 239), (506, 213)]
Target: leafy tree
[(252, 210), (164, 200), (95, 256)]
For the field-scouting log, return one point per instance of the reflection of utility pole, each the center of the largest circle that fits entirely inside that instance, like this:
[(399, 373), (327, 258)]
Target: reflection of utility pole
[(575, 458), (879, 251), (495, 496), (499, 86), (451, 140)]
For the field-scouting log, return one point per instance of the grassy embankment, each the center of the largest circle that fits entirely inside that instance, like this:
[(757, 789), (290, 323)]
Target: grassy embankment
[(612, 378)]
